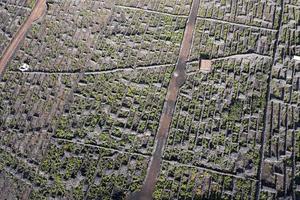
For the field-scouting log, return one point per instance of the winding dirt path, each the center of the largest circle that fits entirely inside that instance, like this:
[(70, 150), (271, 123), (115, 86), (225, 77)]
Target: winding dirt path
[(37, 12), (177, 80)]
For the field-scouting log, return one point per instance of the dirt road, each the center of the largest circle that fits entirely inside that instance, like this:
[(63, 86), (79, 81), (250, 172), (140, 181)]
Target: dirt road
[(37, 12), (177, 80)]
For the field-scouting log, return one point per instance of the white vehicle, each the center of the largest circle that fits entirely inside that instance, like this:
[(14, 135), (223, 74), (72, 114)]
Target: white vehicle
[(297, 58), (25, 67)]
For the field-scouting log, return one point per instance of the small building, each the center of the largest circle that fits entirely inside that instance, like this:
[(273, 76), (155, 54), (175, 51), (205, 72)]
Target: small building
[(205, 65)]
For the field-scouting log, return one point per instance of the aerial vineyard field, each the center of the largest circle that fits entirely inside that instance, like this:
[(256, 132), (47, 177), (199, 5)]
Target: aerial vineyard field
[(107, 99)]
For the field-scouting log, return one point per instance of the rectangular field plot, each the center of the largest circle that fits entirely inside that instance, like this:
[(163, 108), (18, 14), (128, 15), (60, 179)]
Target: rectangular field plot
[(118, 110), (218, 39), (30, 102), (178, 181), (175, 7), (248, 12), (92, 36), (219, 116), (81, 171)]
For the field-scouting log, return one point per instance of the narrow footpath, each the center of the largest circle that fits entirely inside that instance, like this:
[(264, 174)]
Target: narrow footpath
[(37, 12), (177, 80)]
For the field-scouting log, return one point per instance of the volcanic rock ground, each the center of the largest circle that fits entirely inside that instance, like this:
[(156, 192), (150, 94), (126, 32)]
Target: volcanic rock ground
[(113, 102)]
